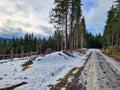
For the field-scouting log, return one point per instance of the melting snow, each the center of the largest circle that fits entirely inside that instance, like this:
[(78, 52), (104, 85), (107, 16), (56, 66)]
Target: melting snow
[(44, 72)]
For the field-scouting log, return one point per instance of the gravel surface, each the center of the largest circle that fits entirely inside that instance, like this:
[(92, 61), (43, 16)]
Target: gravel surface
[(100, 74)]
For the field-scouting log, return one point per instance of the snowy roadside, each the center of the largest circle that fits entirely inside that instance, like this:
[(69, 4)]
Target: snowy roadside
[(45, 71)]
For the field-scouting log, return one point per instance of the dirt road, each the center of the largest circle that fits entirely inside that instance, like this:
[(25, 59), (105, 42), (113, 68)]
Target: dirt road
[(100, 73)]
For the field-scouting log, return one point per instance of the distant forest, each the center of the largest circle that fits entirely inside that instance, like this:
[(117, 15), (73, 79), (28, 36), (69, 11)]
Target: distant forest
[(30, 43)]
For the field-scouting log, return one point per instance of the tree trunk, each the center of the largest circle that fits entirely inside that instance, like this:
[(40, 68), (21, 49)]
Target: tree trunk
[(11, 54), (66, 35), (74, 39), (77, 35), (81, 40), (119, 40), (112, 40), (71, 26), (22, 54)]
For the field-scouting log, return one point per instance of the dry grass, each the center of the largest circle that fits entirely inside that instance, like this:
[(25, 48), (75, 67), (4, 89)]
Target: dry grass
[(113, 52), (25, 68), (62, 82), (73, 85), (26, 65), (117, 57)]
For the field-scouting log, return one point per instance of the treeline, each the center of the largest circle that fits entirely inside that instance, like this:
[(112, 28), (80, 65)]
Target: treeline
[(17, 45), (29, 43), (94, 41), (112, 29), (67, 19)]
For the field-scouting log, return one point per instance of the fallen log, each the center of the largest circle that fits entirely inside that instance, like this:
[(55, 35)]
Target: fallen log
[(13, 86)]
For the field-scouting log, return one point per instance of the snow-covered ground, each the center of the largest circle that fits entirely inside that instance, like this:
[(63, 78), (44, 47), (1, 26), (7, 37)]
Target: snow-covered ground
[(45, 71)]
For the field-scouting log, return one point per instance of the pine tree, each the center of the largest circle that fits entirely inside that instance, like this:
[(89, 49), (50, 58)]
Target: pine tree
[(112, 28), (67, 15)]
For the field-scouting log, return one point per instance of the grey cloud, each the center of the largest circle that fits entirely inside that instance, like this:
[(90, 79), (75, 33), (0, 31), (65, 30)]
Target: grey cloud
[(46, 30), (10, 32), (31, 14)]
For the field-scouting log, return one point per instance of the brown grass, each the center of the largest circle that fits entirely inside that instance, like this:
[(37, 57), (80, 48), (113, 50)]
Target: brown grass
[(73, 85), (117, 57), (26, 65), (113, 52), (25, 68), (62, 82)]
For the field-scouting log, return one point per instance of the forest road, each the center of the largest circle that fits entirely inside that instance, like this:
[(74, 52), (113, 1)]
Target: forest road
[(100, 73)]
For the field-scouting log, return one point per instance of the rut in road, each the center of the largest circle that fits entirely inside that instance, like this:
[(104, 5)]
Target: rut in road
[(99, 74)]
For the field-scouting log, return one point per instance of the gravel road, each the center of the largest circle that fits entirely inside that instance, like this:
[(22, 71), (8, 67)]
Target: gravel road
[(100, 73)]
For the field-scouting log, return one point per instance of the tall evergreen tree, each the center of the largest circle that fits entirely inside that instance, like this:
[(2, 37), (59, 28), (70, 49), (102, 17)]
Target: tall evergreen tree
[(112, 28), (67, 15)]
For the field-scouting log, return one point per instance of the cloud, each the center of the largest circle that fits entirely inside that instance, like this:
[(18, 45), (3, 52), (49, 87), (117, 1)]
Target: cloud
[(22, 16), (10, 32), (26, 15), (95, 12)]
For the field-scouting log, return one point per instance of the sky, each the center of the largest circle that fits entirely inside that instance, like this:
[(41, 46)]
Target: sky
[(18, 17), (95, 13)]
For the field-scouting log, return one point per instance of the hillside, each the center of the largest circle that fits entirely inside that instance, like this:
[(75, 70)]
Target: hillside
[(5, 39)]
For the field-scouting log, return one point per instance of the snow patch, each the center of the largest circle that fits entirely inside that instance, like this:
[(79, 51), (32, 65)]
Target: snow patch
[(44, 71)]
